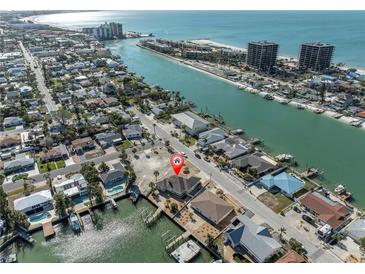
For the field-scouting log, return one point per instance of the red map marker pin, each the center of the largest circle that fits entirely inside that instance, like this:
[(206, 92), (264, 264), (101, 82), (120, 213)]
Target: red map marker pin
[(177, 162)]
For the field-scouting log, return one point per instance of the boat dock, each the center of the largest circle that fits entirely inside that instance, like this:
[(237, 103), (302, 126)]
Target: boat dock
[(177, 240), (186, 252), (48, 230), (150, 219), (114, 204)]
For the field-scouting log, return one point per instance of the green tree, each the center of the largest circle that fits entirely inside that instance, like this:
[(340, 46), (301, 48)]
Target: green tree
[(174, 208), (103, 167), (156, 174), (210, 241), (62, 204), (362, 243)]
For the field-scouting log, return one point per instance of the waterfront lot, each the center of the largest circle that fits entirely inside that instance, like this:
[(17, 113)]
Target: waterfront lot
[(277, 202)]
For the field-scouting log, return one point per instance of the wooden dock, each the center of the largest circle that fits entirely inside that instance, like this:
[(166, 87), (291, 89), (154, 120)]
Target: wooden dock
[(178, 240), (114, 204), (48, 230), (151, 219)]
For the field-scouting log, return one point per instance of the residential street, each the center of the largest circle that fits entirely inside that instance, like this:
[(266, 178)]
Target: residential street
[(315, 251), (50, 104)]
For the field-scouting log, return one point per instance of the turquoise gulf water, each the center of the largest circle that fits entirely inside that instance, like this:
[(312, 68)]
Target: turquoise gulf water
[(346, 29), (315, 140)]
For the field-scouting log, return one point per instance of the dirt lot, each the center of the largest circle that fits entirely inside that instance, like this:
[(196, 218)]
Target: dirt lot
[(277, 202)]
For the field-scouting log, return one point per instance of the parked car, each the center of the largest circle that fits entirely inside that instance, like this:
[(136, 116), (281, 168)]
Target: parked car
[(197, 155), (296, 209), (183, 154), (309, 220), (206, 158)]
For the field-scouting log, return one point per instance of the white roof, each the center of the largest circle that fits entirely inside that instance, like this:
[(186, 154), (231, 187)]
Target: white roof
[(71, 191), (190, 119), (32, 200)]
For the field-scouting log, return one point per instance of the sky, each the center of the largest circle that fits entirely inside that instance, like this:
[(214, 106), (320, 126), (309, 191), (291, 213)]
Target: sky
[(182, 5)]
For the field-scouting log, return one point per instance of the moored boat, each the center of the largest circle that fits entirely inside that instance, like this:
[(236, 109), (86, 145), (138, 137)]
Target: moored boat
[(74, 222)]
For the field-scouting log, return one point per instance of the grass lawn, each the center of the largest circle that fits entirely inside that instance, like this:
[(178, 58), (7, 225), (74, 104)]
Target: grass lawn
[(125, 145), (276, 202), (188, 140), (10, 128), (46, 167), (60, 164), (308, 186)]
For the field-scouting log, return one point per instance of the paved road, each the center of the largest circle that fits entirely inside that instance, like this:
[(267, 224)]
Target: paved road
[(233, 186), (50, 104)]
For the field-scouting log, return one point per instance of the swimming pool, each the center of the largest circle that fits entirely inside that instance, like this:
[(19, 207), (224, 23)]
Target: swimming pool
[(39, 217), (115, 190)]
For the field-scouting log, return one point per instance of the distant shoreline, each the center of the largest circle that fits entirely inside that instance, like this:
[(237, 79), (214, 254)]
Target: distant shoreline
[(309, 107)]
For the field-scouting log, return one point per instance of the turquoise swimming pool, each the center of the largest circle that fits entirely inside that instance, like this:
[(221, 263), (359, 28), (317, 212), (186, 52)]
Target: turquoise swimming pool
[(115, 190), (39, 217)]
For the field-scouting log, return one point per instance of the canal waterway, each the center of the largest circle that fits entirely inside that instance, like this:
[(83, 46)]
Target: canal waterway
[(121, 237)]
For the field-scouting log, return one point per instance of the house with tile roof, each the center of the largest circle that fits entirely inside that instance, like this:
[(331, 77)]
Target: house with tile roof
[(328, 211)]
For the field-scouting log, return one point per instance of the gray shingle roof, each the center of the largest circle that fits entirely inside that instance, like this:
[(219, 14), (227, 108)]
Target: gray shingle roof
[(252, 237), (211, 206), (254, 161), (178, 185), (190, 119)]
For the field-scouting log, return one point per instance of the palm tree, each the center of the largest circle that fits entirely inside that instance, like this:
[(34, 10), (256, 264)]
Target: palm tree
[(154, 129), (103, 167), (282, 231), (156, 174)]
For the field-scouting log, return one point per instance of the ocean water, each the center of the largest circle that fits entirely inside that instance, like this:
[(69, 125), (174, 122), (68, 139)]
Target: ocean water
[(345, 29), (315, 140)]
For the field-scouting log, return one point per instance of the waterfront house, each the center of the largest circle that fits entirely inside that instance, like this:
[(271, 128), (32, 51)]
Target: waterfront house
[(192, 123), (356, 230), (10, 122), (54, 154), (107, 139), (261, 163), (115, 176), (35, 203), (231, 147), (328, 211), (211, 207), (133, 132), (73, 187), (246, 237), (211, 136), (21, 164), (179, 187), (82, 145), (287, 184)]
